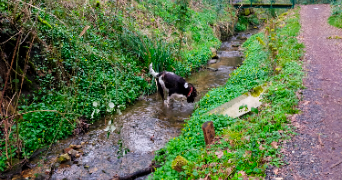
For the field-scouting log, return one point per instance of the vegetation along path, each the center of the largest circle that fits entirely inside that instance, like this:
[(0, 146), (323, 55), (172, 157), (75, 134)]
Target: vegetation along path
[(316, 152)]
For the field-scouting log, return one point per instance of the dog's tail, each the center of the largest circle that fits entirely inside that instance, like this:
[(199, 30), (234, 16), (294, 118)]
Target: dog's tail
[(154, 74)]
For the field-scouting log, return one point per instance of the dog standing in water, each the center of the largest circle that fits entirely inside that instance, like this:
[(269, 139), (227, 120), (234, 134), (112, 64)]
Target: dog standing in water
[(174, 85)]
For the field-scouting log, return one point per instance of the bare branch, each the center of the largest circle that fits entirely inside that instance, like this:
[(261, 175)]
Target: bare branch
[(10, 38)]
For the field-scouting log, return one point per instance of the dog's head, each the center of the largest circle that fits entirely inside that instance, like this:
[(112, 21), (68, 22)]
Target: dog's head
[(192, 94)]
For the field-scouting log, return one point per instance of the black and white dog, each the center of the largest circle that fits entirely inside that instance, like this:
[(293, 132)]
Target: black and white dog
[(173, 84)]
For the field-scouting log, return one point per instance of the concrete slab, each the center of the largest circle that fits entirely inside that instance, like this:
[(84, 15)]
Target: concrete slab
[(250, 99)]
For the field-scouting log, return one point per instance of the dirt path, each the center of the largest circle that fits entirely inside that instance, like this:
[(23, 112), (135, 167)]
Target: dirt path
[(316, 150)]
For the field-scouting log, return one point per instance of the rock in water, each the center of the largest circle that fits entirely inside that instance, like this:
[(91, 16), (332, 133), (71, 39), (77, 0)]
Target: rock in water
[(63, 158), (214, 53), (212, 61)]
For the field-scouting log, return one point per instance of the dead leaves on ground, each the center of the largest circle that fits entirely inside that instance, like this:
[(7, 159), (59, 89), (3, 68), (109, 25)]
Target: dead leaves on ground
[(219, 154), (274, 145)]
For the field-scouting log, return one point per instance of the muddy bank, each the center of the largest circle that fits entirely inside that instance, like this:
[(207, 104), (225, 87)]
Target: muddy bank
[(129, 145)]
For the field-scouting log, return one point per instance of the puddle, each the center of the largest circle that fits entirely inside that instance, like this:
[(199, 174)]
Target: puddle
[(142, 128)]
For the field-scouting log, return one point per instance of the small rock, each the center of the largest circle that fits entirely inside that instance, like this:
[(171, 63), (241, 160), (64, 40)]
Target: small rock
[(78, 147), (241, 38), (47, 171), (214, 53), (212, 69), (212, 61), (73, 152), (63, 158), (55, 165), (235, 45), (77, 155), (66, 150), (152, 138), (83, 143), (75, 146), (92, 170)]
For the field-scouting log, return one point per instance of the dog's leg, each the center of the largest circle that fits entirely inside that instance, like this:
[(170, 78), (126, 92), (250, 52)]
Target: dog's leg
[(167, 101), (160, 90)]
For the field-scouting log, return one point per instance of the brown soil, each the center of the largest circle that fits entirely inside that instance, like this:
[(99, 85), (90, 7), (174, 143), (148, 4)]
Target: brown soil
[(317, 149)]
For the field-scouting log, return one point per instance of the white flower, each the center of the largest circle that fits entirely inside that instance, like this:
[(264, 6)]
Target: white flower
[(92, 114), (111, 105), (95, 104), (95, 111), (119, 111), (110, 127)]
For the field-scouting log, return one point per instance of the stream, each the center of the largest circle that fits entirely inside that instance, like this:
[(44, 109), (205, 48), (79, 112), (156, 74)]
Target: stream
[(140, 130)]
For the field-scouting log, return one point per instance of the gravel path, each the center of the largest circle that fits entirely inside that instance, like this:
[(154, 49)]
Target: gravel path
[(317, 149)]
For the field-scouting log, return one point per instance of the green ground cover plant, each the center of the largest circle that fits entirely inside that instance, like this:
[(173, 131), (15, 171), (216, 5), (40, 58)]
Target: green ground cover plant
[(79, 60), (336, 14), (244, 146)]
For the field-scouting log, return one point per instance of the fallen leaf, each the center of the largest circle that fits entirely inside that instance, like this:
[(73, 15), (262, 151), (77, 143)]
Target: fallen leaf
[(293, 119), (275, 171), (299, 96), (243, 174), (274, 145), (206, 177), (219, 154), (84, 30), (261, 148), (306, 103), (229, 171)]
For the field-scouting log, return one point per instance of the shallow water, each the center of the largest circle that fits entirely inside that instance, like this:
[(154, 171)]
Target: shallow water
[(142, 128)]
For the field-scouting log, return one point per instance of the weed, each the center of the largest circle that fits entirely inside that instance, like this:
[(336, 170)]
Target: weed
[(336, 14)]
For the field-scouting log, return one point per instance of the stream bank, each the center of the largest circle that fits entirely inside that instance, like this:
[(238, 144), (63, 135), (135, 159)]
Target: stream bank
[(139, 131)]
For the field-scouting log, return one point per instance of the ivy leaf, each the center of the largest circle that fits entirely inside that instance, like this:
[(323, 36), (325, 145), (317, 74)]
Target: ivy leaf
[(255, 110)]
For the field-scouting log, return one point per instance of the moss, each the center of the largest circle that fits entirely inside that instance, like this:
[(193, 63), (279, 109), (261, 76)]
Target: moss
[(178, 163), (247, 12), (257, 91)]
